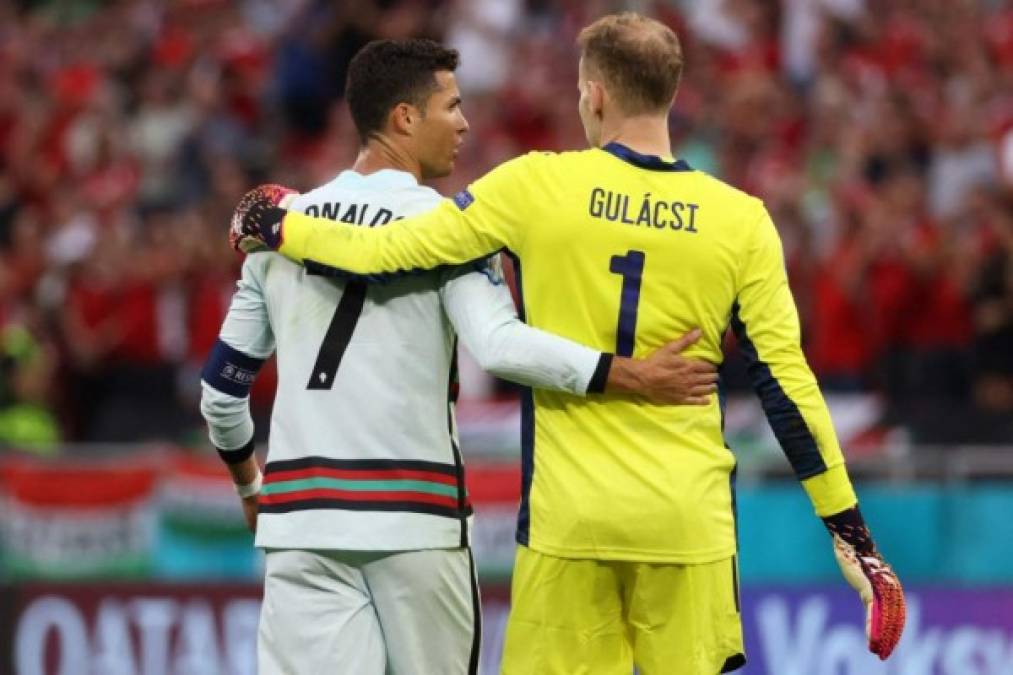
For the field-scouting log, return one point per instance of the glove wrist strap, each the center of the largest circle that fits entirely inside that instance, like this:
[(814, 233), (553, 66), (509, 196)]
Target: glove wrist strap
[(270, 226), (850, 527)]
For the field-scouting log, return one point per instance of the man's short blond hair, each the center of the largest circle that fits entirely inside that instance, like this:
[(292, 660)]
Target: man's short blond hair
[(639, 60)]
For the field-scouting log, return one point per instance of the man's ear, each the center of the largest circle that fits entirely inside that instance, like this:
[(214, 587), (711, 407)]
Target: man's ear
[(404, 118), (596, 97)]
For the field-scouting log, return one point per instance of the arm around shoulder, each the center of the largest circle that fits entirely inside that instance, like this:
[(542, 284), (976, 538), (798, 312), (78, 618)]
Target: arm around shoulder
[(482, 311)]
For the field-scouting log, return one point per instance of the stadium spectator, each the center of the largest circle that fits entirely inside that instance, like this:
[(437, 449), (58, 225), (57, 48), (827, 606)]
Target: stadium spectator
[(26, 377)]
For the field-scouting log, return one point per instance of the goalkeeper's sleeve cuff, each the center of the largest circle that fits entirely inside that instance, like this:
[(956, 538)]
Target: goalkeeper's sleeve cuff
[(830, 492), (294, 235)]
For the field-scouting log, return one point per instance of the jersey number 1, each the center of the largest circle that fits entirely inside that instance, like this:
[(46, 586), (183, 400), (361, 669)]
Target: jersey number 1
[(339, 334), (631, 268)]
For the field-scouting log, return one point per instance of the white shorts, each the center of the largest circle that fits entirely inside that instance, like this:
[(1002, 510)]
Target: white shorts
[(369, 613)]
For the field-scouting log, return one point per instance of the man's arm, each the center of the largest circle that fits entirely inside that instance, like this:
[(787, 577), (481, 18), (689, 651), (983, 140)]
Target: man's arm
[(490, 215), (482, 312), (245, 342), (766, 325)]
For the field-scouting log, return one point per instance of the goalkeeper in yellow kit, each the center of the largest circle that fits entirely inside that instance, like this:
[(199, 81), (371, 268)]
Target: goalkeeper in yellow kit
[(626, 528)]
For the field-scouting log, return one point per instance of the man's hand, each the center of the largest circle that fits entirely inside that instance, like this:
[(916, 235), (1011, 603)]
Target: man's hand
[(250, 513), (666, 376), (866, 571), (256, 222)]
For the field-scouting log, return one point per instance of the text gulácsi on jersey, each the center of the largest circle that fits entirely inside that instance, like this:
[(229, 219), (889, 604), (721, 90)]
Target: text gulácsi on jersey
[(658, 213)]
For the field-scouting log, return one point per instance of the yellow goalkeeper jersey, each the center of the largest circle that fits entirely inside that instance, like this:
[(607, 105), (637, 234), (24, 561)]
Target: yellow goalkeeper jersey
[(623, 252)]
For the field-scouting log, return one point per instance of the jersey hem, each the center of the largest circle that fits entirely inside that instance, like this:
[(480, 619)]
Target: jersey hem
[(296, 544), (267, 548), (385, 532), (637, 555)]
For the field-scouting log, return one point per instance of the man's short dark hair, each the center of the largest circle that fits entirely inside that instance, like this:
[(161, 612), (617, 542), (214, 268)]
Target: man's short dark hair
[(387, 72)]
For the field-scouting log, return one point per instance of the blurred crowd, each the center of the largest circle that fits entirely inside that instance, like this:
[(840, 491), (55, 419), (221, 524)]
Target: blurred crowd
[(879, 133)]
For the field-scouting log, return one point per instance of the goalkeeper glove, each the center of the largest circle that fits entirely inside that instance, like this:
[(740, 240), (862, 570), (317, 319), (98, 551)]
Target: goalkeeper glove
[(867, 572), (256, 222)]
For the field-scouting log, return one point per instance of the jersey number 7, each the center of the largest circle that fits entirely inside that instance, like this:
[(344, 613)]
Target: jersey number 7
[(631, 268), (339, 334)]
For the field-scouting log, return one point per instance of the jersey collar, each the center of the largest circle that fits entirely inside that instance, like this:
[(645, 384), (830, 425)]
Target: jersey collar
[(389, 177), (652, 162)]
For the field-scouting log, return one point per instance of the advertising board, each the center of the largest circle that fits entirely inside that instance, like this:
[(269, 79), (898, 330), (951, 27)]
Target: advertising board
[(211, 630)]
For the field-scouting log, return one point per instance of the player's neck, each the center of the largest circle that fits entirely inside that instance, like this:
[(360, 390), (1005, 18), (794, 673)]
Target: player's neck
[(379, 153), (646, 134)]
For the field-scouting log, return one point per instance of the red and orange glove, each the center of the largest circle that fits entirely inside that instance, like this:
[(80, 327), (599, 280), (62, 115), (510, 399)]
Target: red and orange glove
[(257, 220), (864, 568)]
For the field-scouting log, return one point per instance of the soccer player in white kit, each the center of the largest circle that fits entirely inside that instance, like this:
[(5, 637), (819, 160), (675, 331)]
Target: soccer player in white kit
[(362, 507)]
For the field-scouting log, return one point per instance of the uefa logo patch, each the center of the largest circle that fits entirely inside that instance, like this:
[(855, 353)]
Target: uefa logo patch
[(464, 199)]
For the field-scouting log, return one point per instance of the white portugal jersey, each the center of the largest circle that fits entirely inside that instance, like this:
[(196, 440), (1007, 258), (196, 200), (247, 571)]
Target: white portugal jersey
[(363, 453)]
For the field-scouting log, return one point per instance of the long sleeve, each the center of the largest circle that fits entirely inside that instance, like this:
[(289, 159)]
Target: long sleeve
[(482, 312), (490, 215), (765, 321), (244, 343)]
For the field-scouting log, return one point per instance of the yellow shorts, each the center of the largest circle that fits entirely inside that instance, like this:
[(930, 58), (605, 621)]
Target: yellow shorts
[(600, 617)]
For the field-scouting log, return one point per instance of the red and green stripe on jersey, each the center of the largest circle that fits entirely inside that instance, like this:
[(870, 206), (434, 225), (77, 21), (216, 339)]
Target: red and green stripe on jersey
[(364, 485)]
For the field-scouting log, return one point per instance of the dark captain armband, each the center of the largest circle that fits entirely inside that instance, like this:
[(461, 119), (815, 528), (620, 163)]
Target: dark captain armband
[(230, 371)]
